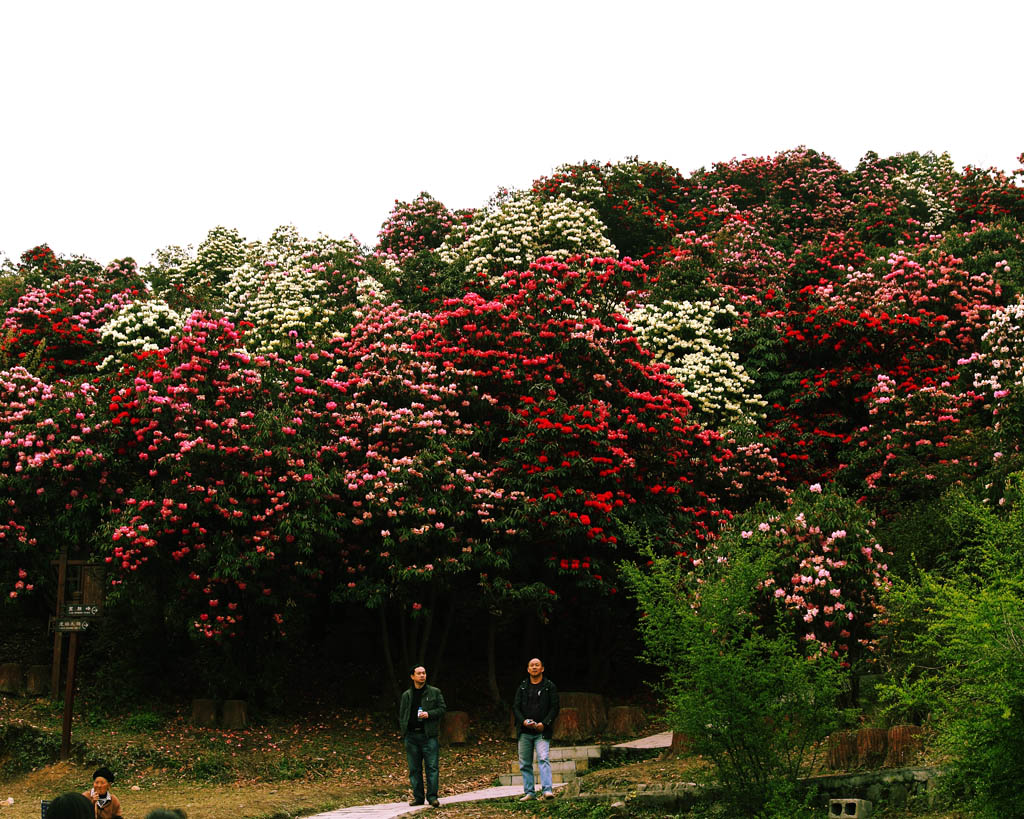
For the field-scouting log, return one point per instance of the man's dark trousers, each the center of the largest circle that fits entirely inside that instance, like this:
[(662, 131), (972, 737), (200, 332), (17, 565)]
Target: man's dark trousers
[(421, 752)]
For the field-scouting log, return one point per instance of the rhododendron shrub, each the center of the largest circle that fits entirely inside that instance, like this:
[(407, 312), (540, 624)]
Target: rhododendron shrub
[(142, 326), (694, 339), (598, 434), (518, 228), (829, 571), (411, 227), (55, 474), (188, 282), (207, 476), (407, 497), (55, 329), (639, 202)]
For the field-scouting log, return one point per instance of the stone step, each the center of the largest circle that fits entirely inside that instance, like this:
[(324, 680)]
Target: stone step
[(557, 766), (556, 778), (576, 752)]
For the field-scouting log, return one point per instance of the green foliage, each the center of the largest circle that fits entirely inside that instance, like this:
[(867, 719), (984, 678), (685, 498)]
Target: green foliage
[(26, 747), (960, 641), (742, 692)]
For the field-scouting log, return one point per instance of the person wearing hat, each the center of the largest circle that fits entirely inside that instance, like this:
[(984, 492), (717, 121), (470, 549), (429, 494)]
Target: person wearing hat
[(104, 802)]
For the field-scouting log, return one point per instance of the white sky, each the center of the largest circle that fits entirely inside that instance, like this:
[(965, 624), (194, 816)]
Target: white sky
[(129, 126)]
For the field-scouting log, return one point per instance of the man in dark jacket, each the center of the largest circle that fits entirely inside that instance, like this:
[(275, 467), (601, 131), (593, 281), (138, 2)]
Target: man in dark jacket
[(535, 707), (419, 720)]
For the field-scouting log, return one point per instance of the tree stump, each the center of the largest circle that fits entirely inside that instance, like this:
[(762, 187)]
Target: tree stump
[(842, 750), (204, 713), (12, 678), (904, 742), (455, 727), (591, 709), (680, 746), (567, 725), (871, 746), (234, 716), (37, 680), (625, 720)]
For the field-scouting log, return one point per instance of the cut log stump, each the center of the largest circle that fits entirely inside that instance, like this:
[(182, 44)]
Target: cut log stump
[(904, 743), (625, 720), (455, 728), (842, 750), (871, 747), (204, 713), (680, 746), (567, 725), (37, 680), (235, 715), (593, 716), (12, 678)]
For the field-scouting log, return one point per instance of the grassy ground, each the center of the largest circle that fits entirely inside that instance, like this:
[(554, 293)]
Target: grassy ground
[(277, 767), (274, 768)]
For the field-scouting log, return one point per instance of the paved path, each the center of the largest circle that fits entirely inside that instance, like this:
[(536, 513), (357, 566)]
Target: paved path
[(663, 740), (401, 808), (392, 809)]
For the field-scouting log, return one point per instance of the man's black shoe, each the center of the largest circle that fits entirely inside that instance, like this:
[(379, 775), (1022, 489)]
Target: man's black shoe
[(415, 802), (434, 803)]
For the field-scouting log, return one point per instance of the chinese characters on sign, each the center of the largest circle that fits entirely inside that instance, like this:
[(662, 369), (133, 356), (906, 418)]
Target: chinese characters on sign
[(70, 624), (80, 610)]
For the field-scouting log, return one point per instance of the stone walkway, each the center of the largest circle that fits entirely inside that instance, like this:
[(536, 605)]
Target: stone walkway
[(392, 809)]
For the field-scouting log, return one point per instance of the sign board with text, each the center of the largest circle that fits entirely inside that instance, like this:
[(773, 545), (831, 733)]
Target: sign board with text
[(70, 624)]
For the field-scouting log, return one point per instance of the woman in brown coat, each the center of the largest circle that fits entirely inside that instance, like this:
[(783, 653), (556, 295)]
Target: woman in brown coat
[(104, 802)]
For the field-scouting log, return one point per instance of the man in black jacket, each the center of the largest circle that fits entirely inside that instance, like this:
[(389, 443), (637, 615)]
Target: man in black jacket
[(419, 720), (535, 707)]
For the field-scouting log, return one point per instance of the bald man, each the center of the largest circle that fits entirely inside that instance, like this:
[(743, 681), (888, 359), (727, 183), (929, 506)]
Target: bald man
[(535, 707)]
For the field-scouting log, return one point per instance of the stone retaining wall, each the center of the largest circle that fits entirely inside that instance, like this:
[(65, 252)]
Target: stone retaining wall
[(891, 788)]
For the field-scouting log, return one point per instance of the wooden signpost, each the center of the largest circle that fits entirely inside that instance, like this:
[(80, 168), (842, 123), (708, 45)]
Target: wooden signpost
[(79, 602)]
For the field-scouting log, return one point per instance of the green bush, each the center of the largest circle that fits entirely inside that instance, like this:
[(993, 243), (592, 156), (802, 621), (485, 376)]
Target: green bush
[(737, 686), (24, 747), (961, 655)]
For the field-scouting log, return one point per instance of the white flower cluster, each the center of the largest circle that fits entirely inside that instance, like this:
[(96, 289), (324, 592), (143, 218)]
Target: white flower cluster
[(694, 339), (283, 288), (138, 327), (921, 181), (221, 253), (515, 232), (1003, 356)]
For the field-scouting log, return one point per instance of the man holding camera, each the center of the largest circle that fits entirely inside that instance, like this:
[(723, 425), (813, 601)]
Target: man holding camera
[(419, 719), (535, 708)]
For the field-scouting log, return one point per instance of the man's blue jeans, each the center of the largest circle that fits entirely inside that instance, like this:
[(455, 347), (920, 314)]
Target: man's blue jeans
[(421, 754), (528, 744)]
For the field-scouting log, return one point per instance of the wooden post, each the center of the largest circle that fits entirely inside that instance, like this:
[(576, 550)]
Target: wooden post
[(69, 698), (58, 636)]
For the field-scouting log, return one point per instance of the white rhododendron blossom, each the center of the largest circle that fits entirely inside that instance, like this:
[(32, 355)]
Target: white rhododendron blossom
[(140, 327), (925, 183), (284, 289), (218, 256), (1001, 368), (519, 229), (694, 339)]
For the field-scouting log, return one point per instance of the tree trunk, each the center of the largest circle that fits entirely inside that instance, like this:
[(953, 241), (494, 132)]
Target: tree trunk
[(446, 627), (492, 674), (385, 641)]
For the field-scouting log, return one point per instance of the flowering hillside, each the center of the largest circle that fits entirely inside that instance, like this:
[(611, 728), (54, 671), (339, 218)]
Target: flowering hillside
[(471, 418)]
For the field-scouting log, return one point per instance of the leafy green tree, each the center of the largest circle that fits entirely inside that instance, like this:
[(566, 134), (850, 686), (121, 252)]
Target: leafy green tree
[(739, 687), (959, 654)]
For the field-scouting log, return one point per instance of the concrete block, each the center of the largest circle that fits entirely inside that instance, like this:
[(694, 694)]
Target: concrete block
[(849, 808)]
